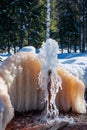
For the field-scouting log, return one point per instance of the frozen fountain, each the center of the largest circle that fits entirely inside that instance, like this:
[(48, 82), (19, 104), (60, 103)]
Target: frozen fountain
[(20, 75), (49, 80)]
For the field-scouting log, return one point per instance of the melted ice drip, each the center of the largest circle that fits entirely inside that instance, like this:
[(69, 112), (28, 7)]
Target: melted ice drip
[(49, 80)]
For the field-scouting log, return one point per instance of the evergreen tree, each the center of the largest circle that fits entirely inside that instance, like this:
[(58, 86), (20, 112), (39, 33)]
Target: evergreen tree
[(68, 25), (23, 22)]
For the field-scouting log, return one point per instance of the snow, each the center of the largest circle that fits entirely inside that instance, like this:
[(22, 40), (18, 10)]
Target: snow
[(28, 49), (23, 27), (4, 56)]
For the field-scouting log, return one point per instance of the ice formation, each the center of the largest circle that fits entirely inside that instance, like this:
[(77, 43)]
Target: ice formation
[(72, 94), (19, 88), (6, 108), (49, 79), (20, 74), (48, 20)]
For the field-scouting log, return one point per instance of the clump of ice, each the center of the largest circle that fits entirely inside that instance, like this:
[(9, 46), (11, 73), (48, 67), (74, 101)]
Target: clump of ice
[(48, 54), (48, 57)]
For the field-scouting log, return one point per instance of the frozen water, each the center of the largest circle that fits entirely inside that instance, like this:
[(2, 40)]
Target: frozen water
[(48, 20), (48, 54), (49, 80)]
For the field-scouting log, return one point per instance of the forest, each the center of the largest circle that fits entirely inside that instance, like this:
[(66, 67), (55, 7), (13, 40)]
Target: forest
[(23, 23)]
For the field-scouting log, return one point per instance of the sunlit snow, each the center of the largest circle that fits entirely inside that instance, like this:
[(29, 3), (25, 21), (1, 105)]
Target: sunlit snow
[(27, 49)]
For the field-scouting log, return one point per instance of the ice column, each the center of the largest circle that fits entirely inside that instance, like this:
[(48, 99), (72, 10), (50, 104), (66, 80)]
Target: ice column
[(49, 80), (48, 20)]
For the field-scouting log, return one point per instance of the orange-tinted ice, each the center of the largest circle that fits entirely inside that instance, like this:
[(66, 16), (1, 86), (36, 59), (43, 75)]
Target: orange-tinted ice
[(72, 94), (20, 73)]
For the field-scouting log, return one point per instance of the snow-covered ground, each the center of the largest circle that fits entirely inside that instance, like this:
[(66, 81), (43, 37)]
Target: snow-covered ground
[(4, 56)]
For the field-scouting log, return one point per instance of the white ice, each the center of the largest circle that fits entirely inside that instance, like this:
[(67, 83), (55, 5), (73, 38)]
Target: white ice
[(49, 61)]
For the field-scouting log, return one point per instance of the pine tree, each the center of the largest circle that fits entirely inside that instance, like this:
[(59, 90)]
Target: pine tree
[(23, 22), (68, 25)]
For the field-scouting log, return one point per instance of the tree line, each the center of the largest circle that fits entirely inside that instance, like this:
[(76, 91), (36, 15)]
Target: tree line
[(23, 23)]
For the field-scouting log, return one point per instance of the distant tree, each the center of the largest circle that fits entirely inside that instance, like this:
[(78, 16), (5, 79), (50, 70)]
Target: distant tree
[(54, 20), (68, 26), (22, 22), (4, 24), (86, 22)]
